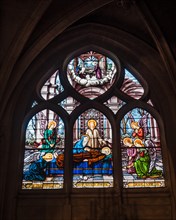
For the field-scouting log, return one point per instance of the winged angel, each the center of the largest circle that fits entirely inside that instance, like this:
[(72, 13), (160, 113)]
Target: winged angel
[(141, 131)]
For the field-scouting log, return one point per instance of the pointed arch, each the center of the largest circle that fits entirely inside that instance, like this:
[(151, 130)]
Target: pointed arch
[(44, 141), (141, 151), (92, 151)]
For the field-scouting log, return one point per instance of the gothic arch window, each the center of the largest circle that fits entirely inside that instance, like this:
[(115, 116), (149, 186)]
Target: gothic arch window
[(44, 140), (92, 125), (92, 151), (142, 164)]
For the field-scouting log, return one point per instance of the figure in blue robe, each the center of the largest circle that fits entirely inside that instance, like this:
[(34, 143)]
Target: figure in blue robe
[(36, 170), (80, 145)]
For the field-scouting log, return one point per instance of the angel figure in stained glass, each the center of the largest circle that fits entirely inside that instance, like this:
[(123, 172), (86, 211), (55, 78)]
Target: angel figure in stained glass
[(140, 128), (141, 131), (132, 154), (143, 142), (142, 163), (138, 131), (37, 166)]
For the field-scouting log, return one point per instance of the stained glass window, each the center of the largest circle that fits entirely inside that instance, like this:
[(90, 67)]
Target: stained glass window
[(91, 74), (92, 151), (107, 86), (142, 163), (44, 143)]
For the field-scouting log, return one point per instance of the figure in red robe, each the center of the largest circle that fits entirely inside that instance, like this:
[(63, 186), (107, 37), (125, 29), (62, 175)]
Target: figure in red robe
[(138, 131)]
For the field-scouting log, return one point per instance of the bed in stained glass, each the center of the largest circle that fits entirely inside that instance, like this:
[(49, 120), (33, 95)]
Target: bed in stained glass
[(91, 74), (92, 151), (142, 163), (44, 142)]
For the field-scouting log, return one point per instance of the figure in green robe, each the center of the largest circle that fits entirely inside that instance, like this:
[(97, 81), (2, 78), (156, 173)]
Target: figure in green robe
[(49, 139), (142, 165)]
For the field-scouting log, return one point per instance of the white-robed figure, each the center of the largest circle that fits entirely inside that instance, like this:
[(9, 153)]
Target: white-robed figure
[(95, 141)]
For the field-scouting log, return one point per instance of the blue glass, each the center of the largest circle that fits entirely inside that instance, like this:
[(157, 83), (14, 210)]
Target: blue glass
[(44, 148), (92, 151)]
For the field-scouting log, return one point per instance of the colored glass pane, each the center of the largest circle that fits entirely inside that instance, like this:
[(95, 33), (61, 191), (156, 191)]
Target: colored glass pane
[(131, 86), (52, 87), (69, 104), (114, 104), (142, 164), (91, 74), (34, 104), (150, 102), (92, 151), (44, 145)]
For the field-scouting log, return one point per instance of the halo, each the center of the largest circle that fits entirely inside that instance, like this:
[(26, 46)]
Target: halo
[(92, 120), (48, 157), (106, 150), (127, 140), (51, 123), (138, 142)]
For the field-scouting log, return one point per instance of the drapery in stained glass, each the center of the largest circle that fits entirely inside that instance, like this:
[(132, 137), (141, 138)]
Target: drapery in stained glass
[(52, 87), (92, 151), (131, 86), (91, 74), (142, 164), (44, 143)]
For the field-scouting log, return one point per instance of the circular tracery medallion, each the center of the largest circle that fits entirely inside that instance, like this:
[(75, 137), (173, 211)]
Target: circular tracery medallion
[(91, 74)]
